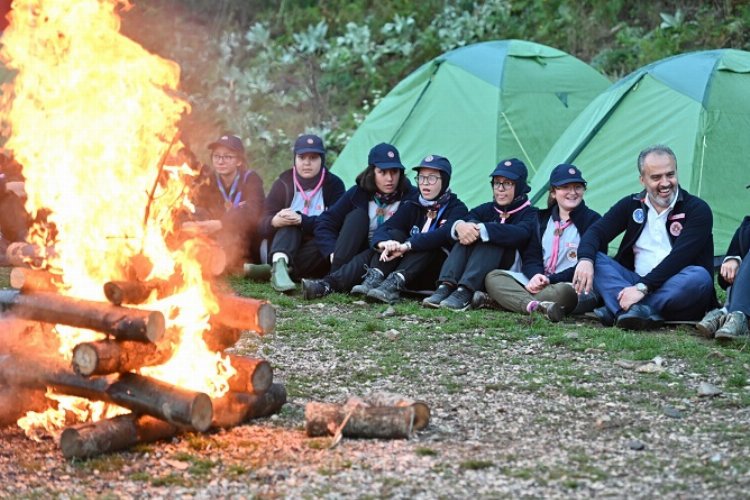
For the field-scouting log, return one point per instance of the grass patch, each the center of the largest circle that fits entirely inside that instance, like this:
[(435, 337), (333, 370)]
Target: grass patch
[(476, 464), (425, 452), (580, 392)]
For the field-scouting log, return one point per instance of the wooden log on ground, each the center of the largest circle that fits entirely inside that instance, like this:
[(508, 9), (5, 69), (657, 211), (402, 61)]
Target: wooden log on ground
[(16, 401), (235, 408), (33, 280), (245, 313), (220, 337), (384, 422), (421, 409), (103, 357), (135, 292), (121, 322), (211, 257), (253, 375), (113, 434)]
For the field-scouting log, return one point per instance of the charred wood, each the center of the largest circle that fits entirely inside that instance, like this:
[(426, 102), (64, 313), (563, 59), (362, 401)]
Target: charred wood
[(234, 408), (103, 357), (253, 375)]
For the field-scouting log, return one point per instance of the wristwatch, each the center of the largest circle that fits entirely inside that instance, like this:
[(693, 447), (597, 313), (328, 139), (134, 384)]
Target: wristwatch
[(641, 287)]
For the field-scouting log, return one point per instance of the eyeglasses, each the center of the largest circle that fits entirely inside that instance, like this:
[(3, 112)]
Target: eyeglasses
[(427, 179), (576, 188), (506, 185), (220, 158)]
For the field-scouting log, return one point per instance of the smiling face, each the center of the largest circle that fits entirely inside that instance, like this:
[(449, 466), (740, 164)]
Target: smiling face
[(307, 165), (659, 177), (425, 179), (504, 190), (568, 196), (386, 181), (225, 161)]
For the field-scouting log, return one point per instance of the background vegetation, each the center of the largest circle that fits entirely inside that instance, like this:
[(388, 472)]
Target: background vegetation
[(270, 70)]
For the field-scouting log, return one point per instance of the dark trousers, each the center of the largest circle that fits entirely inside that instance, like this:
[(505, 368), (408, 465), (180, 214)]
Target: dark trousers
[(685, 296), (739, 294), (467, 265), (419, 269), (304, 257), (352, 239)]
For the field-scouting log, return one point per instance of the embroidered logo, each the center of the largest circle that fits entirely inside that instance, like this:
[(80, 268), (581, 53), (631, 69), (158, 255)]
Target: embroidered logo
[(676, 216), (224, 137), (428, 158), (309, 140), (571, 171), (508, 164), (675, 229), (572, 255), (414, 230), (391, 154), (638, 215)]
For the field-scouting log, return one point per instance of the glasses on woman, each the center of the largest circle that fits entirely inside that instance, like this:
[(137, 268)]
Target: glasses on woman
[(427, 179), (506, 185), (223, 158), (576, 188)]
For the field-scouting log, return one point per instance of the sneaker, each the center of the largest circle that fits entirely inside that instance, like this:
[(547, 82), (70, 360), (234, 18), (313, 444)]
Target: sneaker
[(552, 310), (442, 293), (712, 321), (314, 289), (639, 317), (735, 325), (280, 280), (481, 300), (604, 316), (372, 279), (389, 290), (459, 300)]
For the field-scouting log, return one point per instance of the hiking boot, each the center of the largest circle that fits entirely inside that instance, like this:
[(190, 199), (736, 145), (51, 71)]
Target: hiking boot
[(459, 300), (314, 289), (712, 321), (442, 293), (389, 290), (735, 326), (481, 300), (605, 317), (372, 279), (552, 310), (639, 317), (257, 272), (280, 280), (587, 302)]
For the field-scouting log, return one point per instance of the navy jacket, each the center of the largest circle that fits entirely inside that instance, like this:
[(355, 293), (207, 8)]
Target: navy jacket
[(739, 246), (329, 223), (282, 194), (409, 219), (689, 227)]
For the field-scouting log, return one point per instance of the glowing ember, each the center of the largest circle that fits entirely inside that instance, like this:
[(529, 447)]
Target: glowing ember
[(90, 114)]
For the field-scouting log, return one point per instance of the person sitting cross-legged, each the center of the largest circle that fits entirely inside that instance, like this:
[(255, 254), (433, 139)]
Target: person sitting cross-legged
[(663, 269), (488, 238)]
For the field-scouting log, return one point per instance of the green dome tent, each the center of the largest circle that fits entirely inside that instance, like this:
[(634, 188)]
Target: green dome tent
[(476, 105), (698, 104)]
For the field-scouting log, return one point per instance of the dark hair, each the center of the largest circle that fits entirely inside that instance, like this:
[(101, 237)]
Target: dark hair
[(366, 181), (659, 149)]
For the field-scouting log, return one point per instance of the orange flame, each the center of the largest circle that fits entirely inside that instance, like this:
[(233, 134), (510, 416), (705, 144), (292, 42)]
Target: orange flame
[(89, 114)]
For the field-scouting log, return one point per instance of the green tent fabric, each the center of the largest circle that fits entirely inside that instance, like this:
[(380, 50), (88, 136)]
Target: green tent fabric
[(698, 104), (476, 105)]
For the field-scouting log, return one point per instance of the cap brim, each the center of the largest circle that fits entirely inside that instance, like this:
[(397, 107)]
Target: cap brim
[(388, 166), (562, 182), (309, 150), (215, 145), (505, 173)]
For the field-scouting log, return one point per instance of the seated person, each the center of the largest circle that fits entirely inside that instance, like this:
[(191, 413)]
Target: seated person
[(343, 232), (295, 201), (228, 200), (488, 238), (664, 266), (414, 243), (14, 221), (554, 255)]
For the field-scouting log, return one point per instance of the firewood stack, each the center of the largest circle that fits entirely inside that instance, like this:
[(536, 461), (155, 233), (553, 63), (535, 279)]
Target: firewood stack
[(103, 370)]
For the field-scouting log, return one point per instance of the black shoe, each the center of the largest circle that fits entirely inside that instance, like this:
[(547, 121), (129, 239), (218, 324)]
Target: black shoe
[(604, 316), (442, 293), (639, 317), (372, 279), (459, 300), (314, 289), (389, 290), (482, 300)]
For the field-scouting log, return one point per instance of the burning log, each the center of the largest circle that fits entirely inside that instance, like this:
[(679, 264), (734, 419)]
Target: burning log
[(246, 313), (134, 292), (22, 254), (221, 337), (235, 408), (253, 375), (15, 402), (103, 357), (113, 434), (212, 258), (123, 323), (32, 280), (385, 422), (421, 410)]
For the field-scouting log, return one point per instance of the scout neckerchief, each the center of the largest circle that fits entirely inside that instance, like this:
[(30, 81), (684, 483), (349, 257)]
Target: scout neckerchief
[(435, 209), (560, 226), (381, 203), (504, 215), (233, 198), (305, 196)]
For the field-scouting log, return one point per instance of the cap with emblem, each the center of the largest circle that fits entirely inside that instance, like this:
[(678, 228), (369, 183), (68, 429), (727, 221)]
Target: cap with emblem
[(385, 156), (565, 173), (228, 141), (308, 143), (515, 170), (436, 162)]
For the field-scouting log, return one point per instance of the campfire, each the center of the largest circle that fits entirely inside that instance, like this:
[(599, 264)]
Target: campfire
[(116, 328)]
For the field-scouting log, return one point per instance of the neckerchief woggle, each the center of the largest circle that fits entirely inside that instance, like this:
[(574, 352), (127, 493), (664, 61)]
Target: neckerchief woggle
[(233, 198), (313, 192), (505, 215)]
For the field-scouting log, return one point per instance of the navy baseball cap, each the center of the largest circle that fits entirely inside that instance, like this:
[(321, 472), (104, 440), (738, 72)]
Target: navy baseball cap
[(565, 173), (228, 141), (385, 156), (436, 162), (513, 169), (308, 143)]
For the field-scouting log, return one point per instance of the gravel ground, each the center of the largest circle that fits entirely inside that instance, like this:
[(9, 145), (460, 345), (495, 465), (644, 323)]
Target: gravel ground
[(523, 418)]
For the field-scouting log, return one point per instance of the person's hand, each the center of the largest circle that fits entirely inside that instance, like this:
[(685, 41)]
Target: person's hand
[(537, 283), (729, 270), (628, 296), (583, 278), (286, 217), (467, 232)]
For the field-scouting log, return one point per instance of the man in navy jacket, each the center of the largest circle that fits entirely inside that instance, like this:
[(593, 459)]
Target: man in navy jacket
[(664, 266)]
